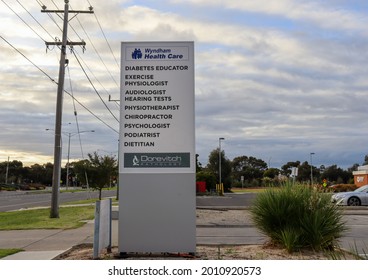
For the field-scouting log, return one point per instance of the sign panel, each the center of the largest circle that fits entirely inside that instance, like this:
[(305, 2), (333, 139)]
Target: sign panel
[(157, 205), (157, 108), (157, 160)]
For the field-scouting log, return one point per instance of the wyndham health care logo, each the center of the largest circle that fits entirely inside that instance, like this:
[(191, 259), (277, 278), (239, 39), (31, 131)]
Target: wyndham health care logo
[(159, 53), (137, 54), (157, 160)]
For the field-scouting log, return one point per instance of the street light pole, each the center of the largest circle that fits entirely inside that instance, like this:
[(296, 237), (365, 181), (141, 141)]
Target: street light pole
[(69, 134), (311, 168), (7, 171), (220, 179), (67, 165)]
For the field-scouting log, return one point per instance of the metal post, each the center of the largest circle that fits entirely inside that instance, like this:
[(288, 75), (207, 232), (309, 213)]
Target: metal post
[(7, 171), (311, 169), (221, 138), (117, 177), (67, 164)]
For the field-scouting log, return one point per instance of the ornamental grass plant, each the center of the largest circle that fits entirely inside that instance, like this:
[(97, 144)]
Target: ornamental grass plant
[(298, 217)]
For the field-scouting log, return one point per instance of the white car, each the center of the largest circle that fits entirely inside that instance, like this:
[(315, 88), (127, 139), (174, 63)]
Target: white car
[(354, 198)]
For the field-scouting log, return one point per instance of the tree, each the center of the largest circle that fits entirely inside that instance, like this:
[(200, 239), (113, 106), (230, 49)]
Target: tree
[(16, 172), (336, 174), (41, 174), (250, 168), (271, 173), (80, 169), (213, 167), (286, 168), (101, 171), (354, 167), (198, 164), (365, 160), (208, 177), (304, 172)]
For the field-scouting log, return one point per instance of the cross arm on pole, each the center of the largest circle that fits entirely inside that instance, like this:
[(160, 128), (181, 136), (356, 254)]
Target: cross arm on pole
[(68, 43), (70, 11), (76, 12)]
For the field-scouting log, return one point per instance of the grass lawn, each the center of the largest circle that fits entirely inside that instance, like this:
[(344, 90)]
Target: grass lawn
[(70, 217), (88, 201), (7, 252)]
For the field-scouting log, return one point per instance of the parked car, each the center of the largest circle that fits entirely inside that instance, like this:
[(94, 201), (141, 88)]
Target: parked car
[(354, 198)]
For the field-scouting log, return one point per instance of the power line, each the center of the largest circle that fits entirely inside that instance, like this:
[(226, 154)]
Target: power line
[(57, 9), (107, 69), (34, 19), (23, 20), (54, 21), (71, 94), (50, 16), (93, 114), (18, 51), (55, 4), (75, 113), (103, 33), (117, 63), (80, 38), (94, 76), (39, 3), (84, 71), (95, 49), (53, 81)]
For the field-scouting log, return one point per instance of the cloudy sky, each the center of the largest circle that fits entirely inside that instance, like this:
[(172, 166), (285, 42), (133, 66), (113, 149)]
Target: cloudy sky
[(277, 79)]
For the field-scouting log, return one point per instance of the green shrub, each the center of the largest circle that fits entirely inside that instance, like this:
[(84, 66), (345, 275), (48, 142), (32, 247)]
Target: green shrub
[(290, 238), (298, 217), (342, 188), (207, 177), (236, 184)]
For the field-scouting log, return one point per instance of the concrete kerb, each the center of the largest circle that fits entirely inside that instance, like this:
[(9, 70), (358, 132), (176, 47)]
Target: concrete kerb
[(35, 255), (347, 210)]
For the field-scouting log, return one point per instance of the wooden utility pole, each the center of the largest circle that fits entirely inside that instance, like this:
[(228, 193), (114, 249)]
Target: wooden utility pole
[(54, 213)]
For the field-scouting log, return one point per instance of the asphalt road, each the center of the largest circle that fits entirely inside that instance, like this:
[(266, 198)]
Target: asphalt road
[(355, 239), (229, 199), (27, 199)]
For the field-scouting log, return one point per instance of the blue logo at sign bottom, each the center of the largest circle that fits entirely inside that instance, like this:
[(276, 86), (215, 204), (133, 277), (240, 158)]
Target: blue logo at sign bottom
[(157, 160)]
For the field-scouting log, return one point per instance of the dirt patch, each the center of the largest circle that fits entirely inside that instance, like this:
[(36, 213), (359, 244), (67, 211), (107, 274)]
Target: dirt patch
[(221, 252)]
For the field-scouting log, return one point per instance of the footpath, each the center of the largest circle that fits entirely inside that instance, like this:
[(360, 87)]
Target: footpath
[(214, 227)]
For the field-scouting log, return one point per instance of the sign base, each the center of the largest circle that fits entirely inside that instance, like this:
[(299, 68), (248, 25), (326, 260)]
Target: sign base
[(157, 213)]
